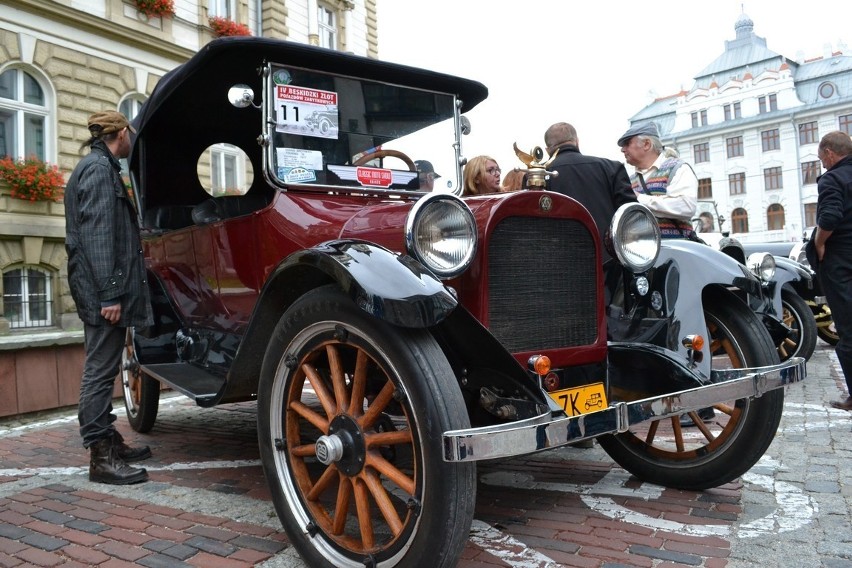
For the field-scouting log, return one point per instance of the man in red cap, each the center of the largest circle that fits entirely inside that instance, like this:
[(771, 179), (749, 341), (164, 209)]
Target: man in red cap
[(107, 278)]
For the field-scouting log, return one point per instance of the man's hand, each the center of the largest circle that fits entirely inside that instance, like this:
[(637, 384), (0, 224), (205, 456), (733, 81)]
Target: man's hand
[(111, 313)]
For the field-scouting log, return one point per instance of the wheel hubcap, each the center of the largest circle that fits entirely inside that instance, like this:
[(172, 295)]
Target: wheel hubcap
[(343, 445)]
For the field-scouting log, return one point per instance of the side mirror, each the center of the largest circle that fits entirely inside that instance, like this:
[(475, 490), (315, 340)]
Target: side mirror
[(241, 96), (465, 125)]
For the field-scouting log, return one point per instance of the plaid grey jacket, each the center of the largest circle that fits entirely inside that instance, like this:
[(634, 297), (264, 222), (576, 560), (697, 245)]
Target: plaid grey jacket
[(105, 260)]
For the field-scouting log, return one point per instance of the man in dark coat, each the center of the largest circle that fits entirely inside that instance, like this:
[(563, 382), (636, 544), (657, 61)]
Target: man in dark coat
[(601, 185), (832, 245), (107, 278)]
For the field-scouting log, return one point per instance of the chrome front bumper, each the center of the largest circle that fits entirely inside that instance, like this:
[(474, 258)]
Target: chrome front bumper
[(546, 431)]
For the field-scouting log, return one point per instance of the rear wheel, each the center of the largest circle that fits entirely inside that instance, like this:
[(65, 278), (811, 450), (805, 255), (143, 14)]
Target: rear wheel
[(825, 324), (141, 392), (797, 315), (351, 413), (715, 452)]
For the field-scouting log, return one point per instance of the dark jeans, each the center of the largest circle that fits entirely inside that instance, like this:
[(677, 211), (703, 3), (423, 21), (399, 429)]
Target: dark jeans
[(835, 277), (103, 358)]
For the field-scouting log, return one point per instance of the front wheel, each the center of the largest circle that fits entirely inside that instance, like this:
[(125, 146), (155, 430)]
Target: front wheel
[(711, 453), (797, 315), (351, 413), (141, 392)]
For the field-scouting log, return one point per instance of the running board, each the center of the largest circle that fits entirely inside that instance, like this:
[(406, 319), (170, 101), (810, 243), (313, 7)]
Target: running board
[(198, 384)]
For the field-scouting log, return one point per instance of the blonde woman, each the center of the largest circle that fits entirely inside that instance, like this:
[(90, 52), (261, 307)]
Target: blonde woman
[(513, 181), (481, 176)]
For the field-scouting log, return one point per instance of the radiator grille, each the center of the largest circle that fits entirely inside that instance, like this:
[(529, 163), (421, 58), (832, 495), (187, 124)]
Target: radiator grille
[(541, 284)]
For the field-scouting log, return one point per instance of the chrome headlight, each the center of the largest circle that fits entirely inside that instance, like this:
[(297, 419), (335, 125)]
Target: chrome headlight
[(440, 232), (635, 237), (762, 265)]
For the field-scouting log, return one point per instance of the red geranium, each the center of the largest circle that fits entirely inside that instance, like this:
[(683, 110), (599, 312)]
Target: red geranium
[(225, 27), (156, 7), (32, 179)]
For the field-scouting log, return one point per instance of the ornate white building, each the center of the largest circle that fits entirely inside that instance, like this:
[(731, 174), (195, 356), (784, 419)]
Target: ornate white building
[(750, 126)]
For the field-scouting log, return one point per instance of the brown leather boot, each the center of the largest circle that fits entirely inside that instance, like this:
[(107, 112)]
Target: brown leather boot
[(106, 467), (128, 453)]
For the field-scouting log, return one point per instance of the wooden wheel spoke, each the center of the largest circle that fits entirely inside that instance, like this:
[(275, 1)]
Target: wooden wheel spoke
[(652, 433), (304, 451), (359, 385), (388, 438), (383, 500), (341, 506), (324, 482), (378, 406), (320, 389), (390, 471), (338, 378), (310, 415), (678, 432), (365, 521)]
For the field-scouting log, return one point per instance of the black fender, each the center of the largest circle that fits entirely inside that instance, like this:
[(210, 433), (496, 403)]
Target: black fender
[(686, 276), (392, 287)]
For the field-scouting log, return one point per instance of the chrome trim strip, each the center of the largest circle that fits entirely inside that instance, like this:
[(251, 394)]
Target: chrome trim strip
[(545, 432)]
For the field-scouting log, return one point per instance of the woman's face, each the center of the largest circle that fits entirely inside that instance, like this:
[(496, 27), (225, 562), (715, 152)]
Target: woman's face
[(490, 180)]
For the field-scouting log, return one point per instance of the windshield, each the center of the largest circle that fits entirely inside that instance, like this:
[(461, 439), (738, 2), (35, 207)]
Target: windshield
[(343, 131)]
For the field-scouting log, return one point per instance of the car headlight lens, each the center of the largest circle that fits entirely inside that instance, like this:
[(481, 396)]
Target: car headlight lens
[(762, 265), (440, 232), (635, 237)]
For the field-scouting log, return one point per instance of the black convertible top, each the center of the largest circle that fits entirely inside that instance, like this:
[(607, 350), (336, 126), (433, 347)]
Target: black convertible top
[(189, 109)]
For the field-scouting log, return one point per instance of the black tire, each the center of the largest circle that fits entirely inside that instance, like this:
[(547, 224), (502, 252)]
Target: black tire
[(824, 323), (797, 315), (325, 126), (331, 375), (141, 391), (714, 453)]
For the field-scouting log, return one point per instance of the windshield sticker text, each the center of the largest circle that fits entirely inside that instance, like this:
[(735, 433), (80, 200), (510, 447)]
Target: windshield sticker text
[(307, 112)]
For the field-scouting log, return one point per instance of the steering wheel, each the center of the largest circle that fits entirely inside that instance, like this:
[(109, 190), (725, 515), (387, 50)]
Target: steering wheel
[(386, 153)]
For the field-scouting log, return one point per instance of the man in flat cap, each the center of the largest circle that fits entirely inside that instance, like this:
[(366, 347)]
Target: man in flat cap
[(662, 181), (426, 174), (107, 278)]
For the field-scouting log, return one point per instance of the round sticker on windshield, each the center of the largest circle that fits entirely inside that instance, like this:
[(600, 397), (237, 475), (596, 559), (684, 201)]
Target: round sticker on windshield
[(281, 77)]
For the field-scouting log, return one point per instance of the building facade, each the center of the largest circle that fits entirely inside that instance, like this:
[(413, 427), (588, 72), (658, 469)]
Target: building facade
[(750, 126), (62, 60)]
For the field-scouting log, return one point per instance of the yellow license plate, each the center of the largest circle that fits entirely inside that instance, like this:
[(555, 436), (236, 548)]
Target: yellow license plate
[(581, 400)]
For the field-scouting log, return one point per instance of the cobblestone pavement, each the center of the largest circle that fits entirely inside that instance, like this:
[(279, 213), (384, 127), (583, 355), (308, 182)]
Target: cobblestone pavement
[(207, 503)]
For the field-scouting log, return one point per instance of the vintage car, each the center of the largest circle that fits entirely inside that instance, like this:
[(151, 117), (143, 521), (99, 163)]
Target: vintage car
[(393, 337), (785, 305)]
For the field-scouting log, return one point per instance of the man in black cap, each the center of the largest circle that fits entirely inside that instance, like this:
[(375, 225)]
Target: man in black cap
[(426, 174), (107, 278), (660, 181)]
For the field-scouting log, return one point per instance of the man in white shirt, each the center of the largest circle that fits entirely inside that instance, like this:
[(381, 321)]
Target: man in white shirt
[(661, 180)]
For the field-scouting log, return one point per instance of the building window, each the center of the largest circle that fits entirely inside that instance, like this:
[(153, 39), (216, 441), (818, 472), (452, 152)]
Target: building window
[(23, 115), (739, 220), (844, 123), (810, 215), (775, 217), (808, 133), (770, 139), (736, 183), (732, 111), (703, 115), (735, 146), (705, 188), (227, 170), (699, 118), (327, 27), (767, 103), (694, 116), (772, 178), (810, 172), (27, 297), (222, 9), (701, 152), (826, 90)]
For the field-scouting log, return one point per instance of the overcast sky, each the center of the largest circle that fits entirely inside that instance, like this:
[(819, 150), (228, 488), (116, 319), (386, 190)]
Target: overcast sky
[(593, 64)]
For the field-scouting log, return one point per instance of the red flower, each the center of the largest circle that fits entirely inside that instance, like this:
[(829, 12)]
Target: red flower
[(225, 27), (164, 8), (31, 179)]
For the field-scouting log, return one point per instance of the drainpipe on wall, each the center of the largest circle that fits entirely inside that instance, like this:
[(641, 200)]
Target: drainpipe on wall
[(313, 25)]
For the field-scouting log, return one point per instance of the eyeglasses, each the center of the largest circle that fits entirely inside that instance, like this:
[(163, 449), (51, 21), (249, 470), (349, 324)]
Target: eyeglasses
[(493, 171)]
